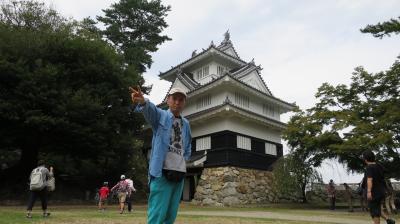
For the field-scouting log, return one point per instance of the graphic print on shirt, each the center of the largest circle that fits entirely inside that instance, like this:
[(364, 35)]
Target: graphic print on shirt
[(174, 159), (176, 137)]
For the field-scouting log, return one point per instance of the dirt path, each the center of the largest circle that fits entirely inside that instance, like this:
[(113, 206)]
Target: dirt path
[(277, 215)]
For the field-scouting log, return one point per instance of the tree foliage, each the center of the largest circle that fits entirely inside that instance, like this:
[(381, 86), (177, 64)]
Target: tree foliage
[(366, 114), (293, 176), (383, 29), (348, 119), (64, 96), (134, 28)]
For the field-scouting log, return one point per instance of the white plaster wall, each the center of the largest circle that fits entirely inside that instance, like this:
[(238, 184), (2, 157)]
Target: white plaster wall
[(236, 124), (253, 80), (256, 104), (217, 98), (213, 68), (230, 52)]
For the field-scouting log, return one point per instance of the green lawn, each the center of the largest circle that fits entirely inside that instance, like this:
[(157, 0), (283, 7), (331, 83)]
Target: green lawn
[(188, 215)]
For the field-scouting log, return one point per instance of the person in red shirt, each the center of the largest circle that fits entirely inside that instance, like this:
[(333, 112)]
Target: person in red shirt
[(103, 195)]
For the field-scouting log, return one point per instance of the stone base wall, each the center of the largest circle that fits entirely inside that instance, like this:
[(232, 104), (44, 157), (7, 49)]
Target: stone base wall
[(226, 186)]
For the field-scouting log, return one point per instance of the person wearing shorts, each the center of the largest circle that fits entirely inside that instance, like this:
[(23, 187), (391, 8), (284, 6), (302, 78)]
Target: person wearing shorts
[(122, 188), (375, 184), (103, 195)]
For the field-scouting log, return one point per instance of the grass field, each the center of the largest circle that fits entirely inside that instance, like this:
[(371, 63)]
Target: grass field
[(188, 214)]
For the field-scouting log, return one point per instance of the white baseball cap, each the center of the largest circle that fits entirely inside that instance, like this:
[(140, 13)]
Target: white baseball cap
[(177, 90), (122, 177)]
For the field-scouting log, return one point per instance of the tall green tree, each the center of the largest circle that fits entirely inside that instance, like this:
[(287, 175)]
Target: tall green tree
[(366, 114), (64, 97), (349, 119), (134, 27), (308, 147)]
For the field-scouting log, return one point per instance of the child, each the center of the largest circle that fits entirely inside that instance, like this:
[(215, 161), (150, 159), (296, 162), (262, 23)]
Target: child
[(103, 195)]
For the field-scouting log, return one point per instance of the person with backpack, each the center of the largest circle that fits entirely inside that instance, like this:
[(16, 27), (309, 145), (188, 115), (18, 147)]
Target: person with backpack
[(375, 185), (122, 189), (38, 187)]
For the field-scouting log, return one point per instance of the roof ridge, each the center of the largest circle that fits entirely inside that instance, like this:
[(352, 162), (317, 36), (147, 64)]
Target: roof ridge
[(201, 53)]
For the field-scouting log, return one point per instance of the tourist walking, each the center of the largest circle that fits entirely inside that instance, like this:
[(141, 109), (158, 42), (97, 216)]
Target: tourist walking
[(331, 194), (122, 189), (38, 187), (129, 196), (348, 194), (375, 186), (103, 196)]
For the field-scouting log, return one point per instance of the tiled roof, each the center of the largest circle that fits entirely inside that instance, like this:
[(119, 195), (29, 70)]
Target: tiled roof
[(186, 78), (224, 46), (247, 85), (198, 55), (238, 80)]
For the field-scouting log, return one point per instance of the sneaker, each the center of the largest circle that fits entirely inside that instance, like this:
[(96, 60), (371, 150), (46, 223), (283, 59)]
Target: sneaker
[(390, 221), (29, 216), (45, 215)]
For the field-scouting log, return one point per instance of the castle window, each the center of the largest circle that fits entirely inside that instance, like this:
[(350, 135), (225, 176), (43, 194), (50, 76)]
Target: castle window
[(270, 149), (202, 72), (243, 142), (269, 110), (203, 143), (220, 70), (242, 100), (203, 101)]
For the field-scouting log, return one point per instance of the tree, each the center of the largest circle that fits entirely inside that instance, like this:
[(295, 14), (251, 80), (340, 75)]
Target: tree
[(349, 119), (134, 28), (309, 146), (64, 97), (366, 114), (293, 176), (382, 29)]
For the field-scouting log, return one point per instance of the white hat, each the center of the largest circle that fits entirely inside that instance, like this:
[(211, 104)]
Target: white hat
[(122, 177), (177, 90)]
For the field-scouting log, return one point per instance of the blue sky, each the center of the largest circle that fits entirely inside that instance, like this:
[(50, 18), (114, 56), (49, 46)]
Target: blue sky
[(299, 44)]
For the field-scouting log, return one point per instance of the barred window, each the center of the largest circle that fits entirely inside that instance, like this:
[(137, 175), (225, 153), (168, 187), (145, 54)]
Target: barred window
[(243, 142), (203, 101), (269, 110), (202, 72), (242, 100), (203, 143), (220, 70), (270, 149)]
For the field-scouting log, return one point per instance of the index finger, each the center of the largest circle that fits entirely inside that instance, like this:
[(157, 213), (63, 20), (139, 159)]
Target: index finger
[(139, 90)]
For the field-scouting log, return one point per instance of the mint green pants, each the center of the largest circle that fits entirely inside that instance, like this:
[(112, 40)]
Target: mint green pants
[(163, 201)]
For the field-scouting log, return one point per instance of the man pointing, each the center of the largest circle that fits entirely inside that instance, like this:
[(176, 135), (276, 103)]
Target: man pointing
[(171, 147)]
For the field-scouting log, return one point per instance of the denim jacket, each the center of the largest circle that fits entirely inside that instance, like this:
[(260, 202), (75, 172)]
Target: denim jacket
[(161, 124)]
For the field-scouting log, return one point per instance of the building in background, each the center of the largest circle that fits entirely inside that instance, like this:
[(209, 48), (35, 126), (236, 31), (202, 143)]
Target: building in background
[(235, 123)]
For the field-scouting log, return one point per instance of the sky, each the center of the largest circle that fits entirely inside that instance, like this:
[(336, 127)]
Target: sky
[(299, 44)]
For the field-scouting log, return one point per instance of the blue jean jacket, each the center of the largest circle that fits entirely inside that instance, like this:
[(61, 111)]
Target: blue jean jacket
[(161, 124)]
